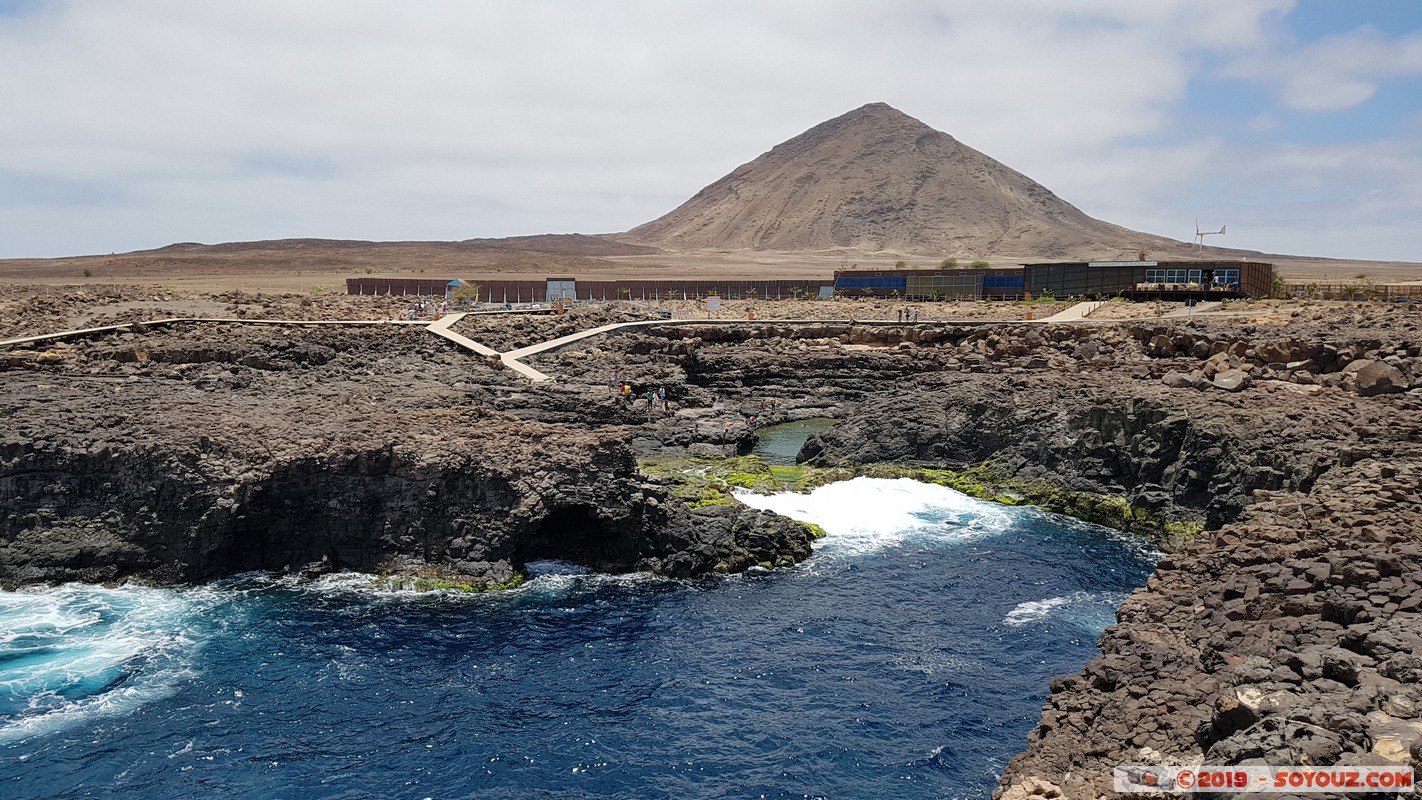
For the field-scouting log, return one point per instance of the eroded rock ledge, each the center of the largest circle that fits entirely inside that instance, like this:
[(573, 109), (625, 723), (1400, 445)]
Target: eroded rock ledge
[(190, 454)]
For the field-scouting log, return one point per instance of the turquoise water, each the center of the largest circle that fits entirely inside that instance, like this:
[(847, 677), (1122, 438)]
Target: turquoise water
[(779, 444), (908, 658)]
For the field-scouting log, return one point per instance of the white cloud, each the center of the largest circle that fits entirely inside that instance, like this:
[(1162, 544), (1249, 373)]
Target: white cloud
[(134, 123), (1336, 72), (1354, 200)]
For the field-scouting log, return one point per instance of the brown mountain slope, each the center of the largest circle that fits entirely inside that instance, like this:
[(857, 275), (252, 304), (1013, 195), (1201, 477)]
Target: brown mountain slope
[(878, 179)]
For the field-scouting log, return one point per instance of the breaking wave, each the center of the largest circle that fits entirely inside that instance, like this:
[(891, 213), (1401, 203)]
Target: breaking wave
[(864, 515), (75, 652)]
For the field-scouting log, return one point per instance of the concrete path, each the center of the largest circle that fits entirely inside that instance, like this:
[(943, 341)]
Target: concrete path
[(1076, 312), (554, 344), (441, 327), (127, 326)]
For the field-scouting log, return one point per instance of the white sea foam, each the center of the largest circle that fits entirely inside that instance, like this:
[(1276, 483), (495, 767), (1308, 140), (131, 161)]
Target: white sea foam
[(868, 514), (561, 577), (75, 652), (1089, 610), (544, 577), (1034, 610)]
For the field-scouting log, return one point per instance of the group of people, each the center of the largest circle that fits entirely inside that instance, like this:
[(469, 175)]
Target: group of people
[(756, 419), (427, 308), (908, 315), (653, 397)]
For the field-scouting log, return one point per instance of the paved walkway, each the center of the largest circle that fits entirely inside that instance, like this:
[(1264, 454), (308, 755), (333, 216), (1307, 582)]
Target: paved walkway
[(128, 326), (554, 344), (441, 327), (1076, 312)]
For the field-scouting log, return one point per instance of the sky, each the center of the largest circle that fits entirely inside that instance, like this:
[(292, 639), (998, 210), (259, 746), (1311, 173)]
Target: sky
[(131, 124)]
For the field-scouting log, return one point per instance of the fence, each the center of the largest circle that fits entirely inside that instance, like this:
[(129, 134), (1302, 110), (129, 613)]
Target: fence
[(1387, 292)]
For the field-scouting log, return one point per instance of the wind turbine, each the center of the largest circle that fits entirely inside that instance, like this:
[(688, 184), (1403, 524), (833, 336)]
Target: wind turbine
[(1200, 237)]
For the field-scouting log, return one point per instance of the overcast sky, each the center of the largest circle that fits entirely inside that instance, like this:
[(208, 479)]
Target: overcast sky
[(129, 124)]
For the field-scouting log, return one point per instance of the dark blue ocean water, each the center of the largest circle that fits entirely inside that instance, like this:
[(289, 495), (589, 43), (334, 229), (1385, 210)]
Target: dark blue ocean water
[(908, 658)]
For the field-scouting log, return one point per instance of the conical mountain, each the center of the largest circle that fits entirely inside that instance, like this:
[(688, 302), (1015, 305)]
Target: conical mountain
[(878, 179)]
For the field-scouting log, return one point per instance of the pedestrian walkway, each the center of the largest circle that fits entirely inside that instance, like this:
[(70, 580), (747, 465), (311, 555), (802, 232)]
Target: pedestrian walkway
[(441, 327), (553, 344), (126, 327), (1075, 312)]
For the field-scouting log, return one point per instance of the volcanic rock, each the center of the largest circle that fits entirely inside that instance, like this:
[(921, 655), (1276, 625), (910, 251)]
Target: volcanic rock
[(878, 179), (1377, 377)]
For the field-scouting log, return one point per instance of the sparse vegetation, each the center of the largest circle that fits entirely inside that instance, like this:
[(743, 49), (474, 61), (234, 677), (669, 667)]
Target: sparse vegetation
[(702, 481), (985, 482), (980, 264), (949, 263)]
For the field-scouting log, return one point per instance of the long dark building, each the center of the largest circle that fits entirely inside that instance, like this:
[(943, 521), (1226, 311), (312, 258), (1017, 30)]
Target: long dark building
[(1147, 280), (931, 284), (560, 287), (1140, 280), (1135, 279)]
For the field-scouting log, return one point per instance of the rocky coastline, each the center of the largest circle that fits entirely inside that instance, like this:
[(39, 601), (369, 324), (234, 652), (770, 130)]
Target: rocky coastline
[(1285, 633), (1283, 443), (188, 453)]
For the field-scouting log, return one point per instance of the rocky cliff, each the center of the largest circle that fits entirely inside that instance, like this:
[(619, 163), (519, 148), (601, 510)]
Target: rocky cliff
[(190, 453)]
